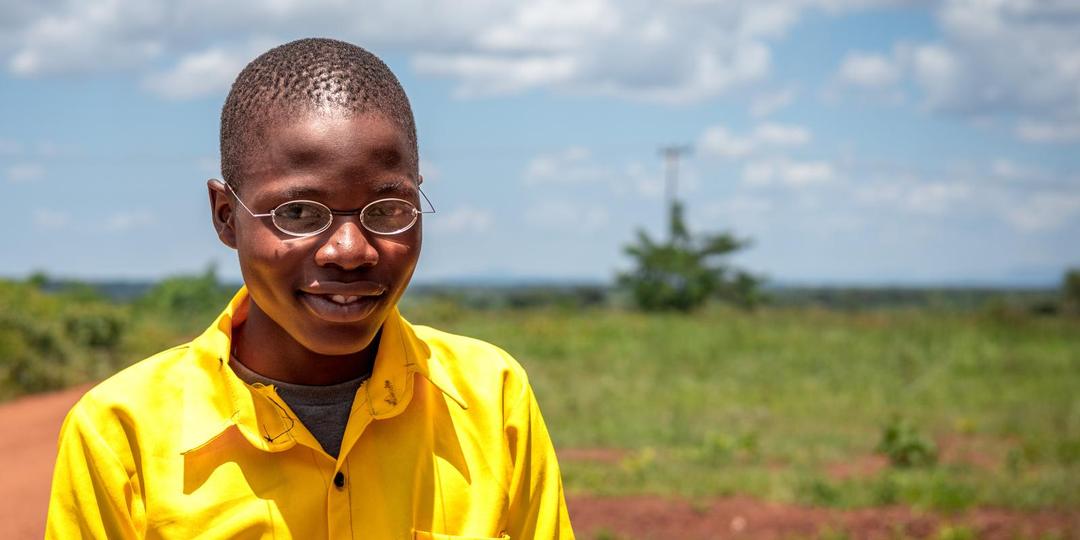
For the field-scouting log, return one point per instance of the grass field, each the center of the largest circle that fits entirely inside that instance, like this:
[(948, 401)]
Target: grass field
[(784, 403), (791, 404)]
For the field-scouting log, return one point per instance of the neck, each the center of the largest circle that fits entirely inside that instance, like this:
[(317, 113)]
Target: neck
[(267, 349)]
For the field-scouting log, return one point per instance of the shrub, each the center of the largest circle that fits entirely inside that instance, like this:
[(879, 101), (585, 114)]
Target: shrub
[(902, 443)]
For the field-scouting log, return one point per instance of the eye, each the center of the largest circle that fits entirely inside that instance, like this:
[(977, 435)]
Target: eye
[(389, 216), (388, 208), (298, 210), (301, 217)]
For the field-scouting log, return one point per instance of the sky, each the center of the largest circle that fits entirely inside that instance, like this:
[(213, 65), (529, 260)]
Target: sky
[(853, 141)]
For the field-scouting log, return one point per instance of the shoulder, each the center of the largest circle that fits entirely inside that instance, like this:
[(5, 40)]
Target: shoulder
[(138, 392), (147, 376), (475, 366), (466, 350)]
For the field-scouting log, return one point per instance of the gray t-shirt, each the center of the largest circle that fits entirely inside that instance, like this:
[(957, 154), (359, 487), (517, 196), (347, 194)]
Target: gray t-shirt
[(324, 410)]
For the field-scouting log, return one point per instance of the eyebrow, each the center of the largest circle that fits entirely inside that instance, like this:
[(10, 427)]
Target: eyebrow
[(399, 186), (385, 187)]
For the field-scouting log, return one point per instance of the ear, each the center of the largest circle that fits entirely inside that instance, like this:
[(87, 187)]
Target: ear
[(221, 212)]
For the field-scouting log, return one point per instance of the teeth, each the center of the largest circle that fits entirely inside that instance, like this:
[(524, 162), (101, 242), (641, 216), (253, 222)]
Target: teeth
[(343, 299)]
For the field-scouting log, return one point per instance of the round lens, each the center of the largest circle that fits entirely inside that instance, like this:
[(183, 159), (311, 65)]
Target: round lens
[(389, 216), (302, 218)]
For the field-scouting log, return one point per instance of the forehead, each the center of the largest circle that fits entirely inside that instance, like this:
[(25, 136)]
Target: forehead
[(311, 150)]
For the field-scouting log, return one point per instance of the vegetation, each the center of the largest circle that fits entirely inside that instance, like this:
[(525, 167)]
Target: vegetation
[(1071, 292), (54, 335), (797, 404), (788, 402), (684, 272)]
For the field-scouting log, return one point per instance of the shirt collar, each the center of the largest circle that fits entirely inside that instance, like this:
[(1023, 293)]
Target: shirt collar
[(215, 399)]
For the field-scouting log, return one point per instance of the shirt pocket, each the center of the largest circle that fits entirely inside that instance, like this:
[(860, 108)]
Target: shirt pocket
[(424, 535)]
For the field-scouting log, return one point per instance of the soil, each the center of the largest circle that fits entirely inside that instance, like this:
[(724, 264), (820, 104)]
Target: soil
[(35, 422)]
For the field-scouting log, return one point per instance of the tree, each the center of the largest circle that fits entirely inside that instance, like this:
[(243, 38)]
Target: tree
[(1071, 290), (682, 273)]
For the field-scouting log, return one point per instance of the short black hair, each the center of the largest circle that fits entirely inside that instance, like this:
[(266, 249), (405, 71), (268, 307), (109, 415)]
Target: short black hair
[(304, 74)]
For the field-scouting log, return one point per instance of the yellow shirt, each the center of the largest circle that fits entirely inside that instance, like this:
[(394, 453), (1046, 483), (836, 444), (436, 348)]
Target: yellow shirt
[(444, 441)]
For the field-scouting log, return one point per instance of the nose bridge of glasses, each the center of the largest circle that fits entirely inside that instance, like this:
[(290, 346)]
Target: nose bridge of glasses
[(347, 230)]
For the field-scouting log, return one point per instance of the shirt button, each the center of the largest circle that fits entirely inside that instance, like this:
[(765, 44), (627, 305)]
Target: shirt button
[(339, 480)]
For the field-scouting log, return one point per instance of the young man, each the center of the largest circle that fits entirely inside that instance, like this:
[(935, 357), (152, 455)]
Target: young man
[(311, 408)]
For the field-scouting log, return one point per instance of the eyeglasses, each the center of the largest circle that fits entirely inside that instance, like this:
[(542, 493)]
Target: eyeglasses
[(303, 218)]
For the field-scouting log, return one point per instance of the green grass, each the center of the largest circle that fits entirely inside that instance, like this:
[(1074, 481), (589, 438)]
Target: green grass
[(763, 403), (980, 407)]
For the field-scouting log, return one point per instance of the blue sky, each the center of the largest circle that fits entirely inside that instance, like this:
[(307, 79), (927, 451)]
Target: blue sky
[(855, 141)]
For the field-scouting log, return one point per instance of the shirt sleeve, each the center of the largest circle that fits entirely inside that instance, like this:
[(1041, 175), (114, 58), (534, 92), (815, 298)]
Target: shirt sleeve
[(537, 504), (93, 495)]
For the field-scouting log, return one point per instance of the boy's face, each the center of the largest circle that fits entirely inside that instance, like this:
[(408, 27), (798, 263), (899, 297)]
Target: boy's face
[(343, 162)]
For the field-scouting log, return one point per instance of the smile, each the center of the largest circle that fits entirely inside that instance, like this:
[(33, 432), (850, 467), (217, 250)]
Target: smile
[(341, 308)]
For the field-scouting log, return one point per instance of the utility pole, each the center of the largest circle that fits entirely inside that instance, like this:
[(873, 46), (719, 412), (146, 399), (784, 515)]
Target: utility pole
[(671, 179)]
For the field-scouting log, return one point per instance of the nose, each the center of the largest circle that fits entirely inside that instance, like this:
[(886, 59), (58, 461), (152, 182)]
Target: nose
[(347, 246)]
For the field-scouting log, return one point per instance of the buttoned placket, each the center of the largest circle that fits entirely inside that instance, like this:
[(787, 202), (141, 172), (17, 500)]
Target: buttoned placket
[(270, 425), (372, 402)]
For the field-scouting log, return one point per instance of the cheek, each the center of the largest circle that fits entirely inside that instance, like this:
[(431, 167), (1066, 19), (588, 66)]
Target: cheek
[(265, 258), (399, 254)]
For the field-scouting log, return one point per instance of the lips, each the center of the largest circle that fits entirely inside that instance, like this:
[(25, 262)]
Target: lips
[(342, 302)]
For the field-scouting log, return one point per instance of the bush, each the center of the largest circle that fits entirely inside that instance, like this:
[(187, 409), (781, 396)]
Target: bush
[(905, 447), (1071, 291), (51, 341), (188, 302)]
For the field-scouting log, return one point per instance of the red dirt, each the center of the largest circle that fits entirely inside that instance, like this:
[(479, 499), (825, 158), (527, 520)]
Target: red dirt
[(650, 517), (35, 422), (600, 455), (32, 424), (861, 467)]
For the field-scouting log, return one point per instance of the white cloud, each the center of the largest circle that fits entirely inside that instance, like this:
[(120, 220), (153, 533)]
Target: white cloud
[(82, 37), (430, 171), (209, 165), (9, 147), (25, 172), (568, 216), (484, 75), (772, 134), (1048, 131), (1001, 59), (199, 74), (1008, 169), (868, 70), (1043, 211), (787, 172), (717, 141), (570, 166), (768, 103), (463, 219), (50, 219), (936, 197), (681, 51), (1025, 198), (125, 221), (645, 182)]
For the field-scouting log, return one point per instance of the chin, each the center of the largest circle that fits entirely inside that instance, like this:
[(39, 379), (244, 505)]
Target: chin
[(341, 341)]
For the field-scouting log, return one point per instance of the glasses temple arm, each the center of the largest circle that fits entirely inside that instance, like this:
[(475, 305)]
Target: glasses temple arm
[(426, 199), (253, 214)]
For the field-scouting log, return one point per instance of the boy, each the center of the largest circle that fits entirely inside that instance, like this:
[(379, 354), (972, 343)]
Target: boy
[(310, 408)]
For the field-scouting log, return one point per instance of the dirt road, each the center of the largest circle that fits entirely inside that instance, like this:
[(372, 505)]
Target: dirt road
[(32, 425)]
